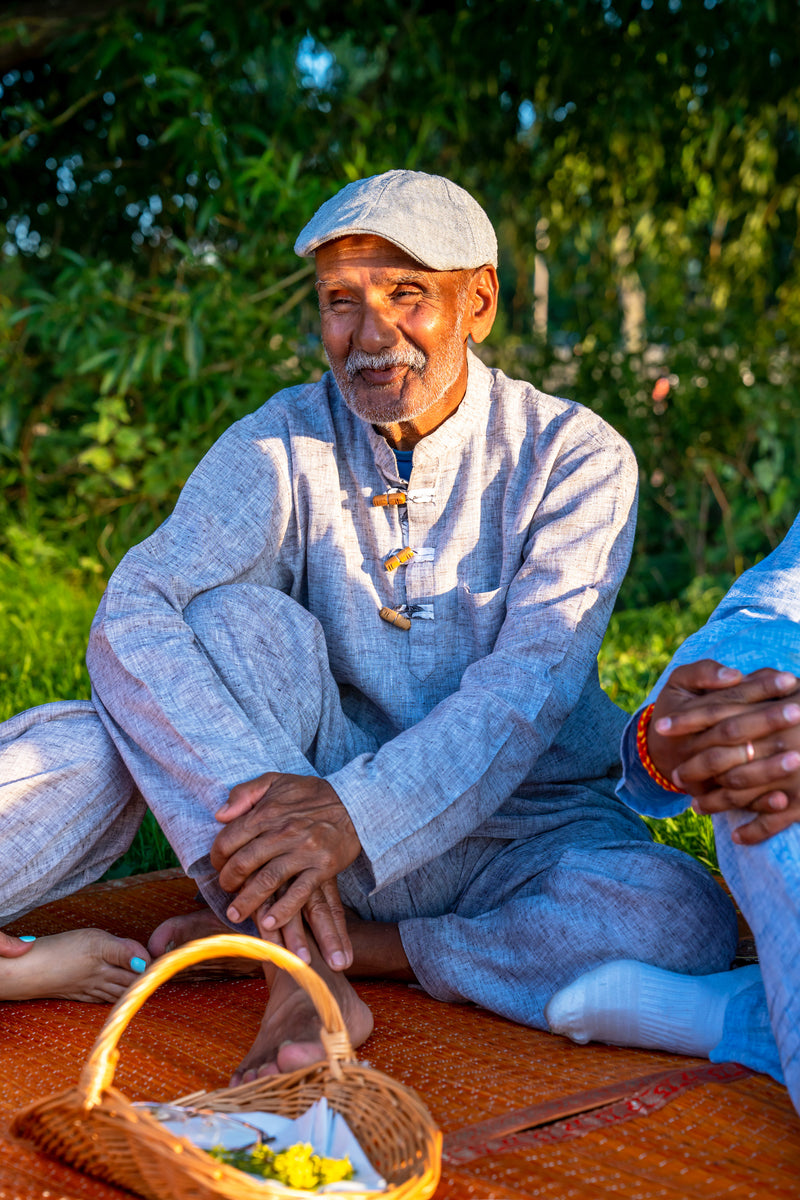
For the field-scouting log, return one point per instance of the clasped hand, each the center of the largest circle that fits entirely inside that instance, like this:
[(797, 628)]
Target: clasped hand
[(732, 742), (284, 841)]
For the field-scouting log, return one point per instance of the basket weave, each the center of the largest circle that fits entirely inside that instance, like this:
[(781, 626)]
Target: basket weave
[(96, 1128)]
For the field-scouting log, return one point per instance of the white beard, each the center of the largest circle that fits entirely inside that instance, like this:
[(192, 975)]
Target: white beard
[(384, 409)]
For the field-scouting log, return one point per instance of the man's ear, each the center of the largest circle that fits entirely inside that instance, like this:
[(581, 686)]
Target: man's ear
[(481, 307)]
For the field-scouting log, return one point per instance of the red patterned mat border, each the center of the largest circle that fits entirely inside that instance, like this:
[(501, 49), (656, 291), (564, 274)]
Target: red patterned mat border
[(586, 1112)]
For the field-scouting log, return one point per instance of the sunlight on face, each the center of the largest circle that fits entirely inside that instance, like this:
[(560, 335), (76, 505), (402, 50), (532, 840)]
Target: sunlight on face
[(391, 329)]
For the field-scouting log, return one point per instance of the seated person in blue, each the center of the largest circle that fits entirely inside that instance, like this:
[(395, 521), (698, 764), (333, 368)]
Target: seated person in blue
[(721, 729)]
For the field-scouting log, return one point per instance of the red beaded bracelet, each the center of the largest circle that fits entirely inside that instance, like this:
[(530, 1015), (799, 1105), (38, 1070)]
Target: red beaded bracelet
[(644, 754)]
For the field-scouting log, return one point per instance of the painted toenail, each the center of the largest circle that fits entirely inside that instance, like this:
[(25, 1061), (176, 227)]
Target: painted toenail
[(27, 937), (138, 965)]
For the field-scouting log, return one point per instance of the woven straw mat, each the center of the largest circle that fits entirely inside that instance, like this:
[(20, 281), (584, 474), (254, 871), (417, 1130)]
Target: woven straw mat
[(601, 1121)]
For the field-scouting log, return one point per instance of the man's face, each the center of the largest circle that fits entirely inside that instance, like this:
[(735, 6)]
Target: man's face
[(392, 329)]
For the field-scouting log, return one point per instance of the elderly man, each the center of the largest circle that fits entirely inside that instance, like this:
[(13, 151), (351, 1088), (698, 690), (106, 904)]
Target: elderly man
[(365, 645), (731, 743)]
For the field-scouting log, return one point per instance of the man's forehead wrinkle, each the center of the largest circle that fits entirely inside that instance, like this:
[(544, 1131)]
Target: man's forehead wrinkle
[(380, 275)]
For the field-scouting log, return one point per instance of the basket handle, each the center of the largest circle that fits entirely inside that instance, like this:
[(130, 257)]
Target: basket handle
[(98, 1071)]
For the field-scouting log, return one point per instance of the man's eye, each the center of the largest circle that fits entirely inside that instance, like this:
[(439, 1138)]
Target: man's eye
[(340, 302), (407, 293)]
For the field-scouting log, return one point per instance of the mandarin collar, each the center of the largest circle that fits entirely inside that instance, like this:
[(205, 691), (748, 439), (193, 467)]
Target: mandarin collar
[(451, 434)]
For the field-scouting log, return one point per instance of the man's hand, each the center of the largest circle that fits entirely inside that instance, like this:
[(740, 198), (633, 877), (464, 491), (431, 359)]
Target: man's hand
[(695, 700), (754, 764), (288, 832), (729, 743), (324, 916)]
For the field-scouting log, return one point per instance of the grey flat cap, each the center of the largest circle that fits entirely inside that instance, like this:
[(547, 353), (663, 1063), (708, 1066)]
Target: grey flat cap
[(431, 218)]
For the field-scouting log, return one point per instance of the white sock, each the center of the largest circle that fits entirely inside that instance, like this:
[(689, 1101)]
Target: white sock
[(633, 1004)]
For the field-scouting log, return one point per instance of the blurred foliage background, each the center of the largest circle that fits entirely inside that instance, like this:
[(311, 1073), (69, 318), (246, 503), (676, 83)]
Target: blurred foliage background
[(640, 160)]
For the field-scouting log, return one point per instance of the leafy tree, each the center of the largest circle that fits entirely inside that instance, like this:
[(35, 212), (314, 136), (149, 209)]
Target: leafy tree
[(157, 160)]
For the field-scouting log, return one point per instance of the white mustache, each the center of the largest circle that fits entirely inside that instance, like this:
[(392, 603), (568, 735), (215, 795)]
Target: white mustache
[(359, 360)]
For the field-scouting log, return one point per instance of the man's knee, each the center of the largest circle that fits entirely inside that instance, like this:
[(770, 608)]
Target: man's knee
[(655, 904), (270, 654), (248, 610), (699, 915), (254, 625)]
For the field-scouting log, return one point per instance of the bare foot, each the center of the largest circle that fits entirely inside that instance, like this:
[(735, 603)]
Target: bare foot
[(83, 964), (289, 1037), (187, 927)]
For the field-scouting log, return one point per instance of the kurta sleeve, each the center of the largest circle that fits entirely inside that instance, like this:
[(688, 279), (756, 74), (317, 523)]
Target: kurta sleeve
[(757, 624), (439, 780)]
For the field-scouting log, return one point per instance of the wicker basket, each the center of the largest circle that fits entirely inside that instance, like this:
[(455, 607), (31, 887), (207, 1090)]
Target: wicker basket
[(96, 1128)]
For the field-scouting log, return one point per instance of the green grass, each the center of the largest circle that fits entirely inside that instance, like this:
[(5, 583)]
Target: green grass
[(46, 607), (149, 851)]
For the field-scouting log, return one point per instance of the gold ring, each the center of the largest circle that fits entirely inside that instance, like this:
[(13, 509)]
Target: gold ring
[(750, 751)]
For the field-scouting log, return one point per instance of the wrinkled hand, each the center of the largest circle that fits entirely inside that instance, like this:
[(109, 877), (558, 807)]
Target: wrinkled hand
[(11, 947), (324, 916), (285, 840), (732, 742)]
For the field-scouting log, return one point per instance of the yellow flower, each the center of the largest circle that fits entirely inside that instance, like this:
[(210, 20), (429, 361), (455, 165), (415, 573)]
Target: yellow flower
[(295, 1166), (298, 1166), (333, 1170)]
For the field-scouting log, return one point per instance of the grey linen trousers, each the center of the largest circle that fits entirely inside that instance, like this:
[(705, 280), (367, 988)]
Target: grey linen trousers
[(556, 883)]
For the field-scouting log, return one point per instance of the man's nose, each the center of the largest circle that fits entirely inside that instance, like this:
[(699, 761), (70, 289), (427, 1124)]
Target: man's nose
[(376, 330)]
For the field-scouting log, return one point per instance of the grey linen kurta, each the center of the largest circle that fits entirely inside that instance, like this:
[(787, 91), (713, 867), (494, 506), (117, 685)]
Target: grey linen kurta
[(522, 506), (475, 752)]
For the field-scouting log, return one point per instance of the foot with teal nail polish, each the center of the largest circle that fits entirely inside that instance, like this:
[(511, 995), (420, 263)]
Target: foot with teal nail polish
[(83, 964), (14, 947)]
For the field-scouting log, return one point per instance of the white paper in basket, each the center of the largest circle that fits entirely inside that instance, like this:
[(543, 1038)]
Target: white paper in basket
[(326, 1130)]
